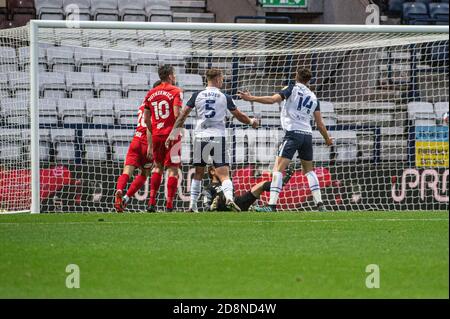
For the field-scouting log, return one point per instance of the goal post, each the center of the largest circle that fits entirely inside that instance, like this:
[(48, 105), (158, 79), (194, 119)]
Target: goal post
[(382, 91)]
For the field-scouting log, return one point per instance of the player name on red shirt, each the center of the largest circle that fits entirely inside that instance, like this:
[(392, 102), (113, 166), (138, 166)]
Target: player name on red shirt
[(161, 102)]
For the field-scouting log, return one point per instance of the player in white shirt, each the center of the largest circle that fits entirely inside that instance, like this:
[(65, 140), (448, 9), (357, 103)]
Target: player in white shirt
[(211, 106), (300, 107)]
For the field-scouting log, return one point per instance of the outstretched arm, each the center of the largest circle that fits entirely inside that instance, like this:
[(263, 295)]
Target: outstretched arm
[(246, 96), (243, 118), (322, 128)]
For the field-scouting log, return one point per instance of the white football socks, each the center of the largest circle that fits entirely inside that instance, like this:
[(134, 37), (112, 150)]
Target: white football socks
[(227, 188), (314, 186), (196, 189), (275, 187)]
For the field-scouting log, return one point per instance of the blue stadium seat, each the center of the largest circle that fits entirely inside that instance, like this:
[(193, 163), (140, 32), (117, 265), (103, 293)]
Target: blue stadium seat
[(415, 13), (439, 12), (396, 6)]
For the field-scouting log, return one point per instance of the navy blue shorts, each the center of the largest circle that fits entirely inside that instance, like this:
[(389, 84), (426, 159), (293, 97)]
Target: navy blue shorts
[(210, 147), (296, 141)]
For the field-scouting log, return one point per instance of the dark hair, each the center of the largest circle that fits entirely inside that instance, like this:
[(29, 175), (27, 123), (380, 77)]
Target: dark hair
[(304, 75), (211, 74), (210, 169), (165, 71), (157, 83)]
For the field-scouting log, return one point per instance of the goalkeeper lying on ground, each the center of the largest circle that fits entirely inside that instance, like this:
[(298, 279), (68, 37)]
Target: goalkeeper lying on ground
[(215, 200)]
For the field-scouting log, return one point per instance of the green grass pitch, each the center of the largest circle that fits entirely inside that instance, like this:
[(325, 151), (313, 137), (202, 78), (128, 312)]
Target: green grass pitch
[(225, 255)]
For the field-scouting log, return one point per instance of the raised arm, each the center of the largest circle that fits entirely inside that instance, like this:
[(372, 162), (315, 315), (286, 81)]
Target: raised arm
[(246, 96), (322, 128)]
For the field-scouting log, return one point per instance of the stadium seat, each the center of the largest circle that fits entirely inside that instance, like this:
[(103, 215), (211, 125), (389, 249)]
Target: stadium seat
[(72, 37), (64, 143), (126, 110), (88, 59), (346, 145), (4, 86), (82, 8), (190, 82), (132, 10), (97, 38), (79, 85), (48, 111), (396, 6), (21, 11), (125, 39), (119, 141), (439, 13), (322, 153), (421, 113), (172, 59), (116, 61), (158, 11), (49, 9), (328, 113), (144, 62), (15, 111), (242, 105), (60, 59), (10, 144), (135, 85), (100, 111), (105, 10), (72, 111), (95, 144), (8, 61), (52, 85), (19, 83), (267, 109), (440, 108), (107, 85), (415, 13), (24, 58)]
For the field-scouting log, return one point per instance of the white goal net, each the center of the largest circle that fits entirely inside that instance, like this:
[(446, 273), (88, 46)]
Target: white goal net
[(383, 98)]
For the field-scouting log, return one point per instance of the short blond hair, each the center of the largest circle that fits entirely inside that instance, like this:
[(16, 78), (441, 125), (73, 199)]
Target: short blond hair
[(212, 74)]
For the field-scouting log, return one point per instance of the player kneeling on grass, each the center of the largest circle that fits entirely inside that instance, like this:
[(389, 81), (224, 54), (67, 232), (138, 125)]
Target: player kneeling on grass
[(215, 200), (211, 106), (300, 107)]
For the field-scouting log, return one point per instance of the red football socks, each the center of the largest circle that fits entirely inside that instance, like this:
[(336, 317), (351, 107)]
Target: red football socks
[(138, 182), (154, 187), (122, 182), (172, 185)]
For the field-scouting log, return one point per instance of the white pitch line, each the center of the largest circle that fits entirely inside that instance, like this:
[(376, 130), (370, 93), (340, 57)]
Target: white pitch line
[(235, 221)]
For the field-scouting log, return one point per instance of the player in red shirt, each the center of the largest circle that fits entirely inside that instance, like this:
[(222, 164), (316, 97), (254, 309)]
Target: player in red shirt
[(137, 157), (162, 107)]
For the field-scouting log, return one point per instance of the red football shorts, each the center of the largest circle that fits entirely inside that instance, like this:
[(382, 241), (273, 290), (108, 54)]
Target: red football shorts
[(137, 154), (168, 157)]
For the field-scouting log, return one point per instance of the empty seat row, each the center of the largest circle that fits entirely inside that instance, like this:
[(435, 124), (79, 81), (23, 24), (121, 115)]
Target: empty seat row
[(87, 60), (105, 10), (88, 85), (421, 12), (427, 114)]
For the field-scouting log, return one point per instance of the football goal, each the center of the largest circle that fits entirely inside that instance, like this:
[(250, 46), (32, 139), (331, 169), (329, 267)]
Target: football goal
[(70, 93)]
